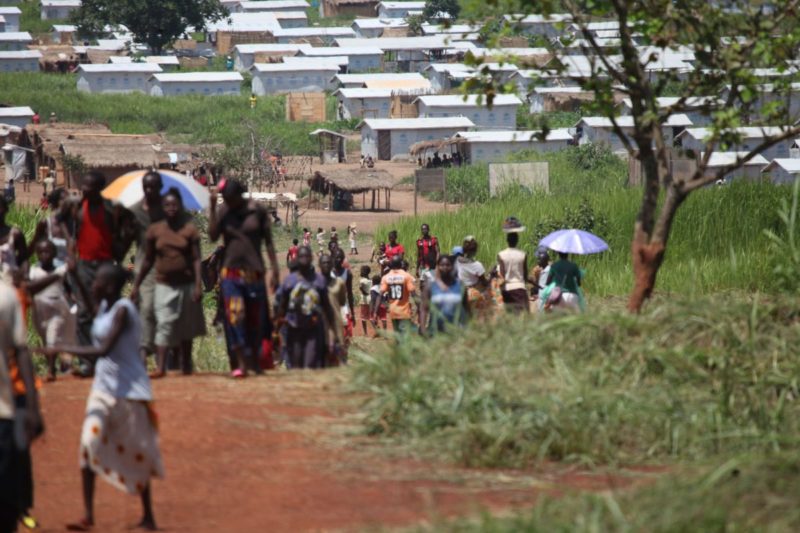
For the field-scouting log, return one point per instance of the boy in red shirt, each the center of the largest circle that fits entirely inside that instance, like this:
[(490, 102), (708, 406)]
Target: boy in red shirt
[(394, 248)]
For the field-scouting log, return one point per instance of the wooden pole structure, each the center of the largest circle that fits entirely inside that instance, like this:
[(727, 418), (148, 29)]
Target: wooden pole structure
[(444, 190), (416, 183)]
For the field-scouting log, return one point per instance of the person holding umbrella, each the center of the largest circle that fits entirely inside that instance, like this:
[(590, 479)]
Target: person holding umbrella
[(563, 288), (566, 277)]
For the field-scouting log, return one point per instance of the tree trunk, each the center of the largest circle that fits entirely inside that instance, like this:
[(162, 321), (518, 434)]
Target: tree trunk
[(648, 248), (646, 257)]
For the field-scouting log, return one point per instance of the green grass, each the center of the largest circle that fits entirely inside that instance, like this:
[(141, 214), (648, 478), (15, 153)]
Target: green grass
[(689, 380), (314, 19), (749, 494), (717, 241), (31, 18), (197, 119)]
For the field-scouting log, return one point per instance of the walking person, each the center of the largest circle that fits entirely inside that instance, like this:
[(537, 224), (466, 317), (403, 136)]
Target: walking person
[(394, 248), (304, 309), (541, 271), (427, 255), (444, 301), (352, 233), (119, 439), (347, 309), (473, 275), (306, 237), (565, 292), (291, 253), (244, 226), (20, 418), (102, 233), (364, 286), (398, 285), (377, 304), (172, 246), (320, 240), (513, 267), (336, 301), (54, 321), (13, 249), (148, 212), (52, 228)]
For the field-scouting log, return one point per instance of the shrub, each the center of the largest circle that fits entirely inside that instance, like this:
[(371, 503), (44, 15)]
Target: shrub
[(690, 379)]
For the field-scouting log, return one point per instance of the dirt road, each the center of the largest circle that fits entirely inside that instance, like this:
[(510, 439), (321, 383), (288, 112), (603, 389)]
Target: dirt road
[(278, 453)]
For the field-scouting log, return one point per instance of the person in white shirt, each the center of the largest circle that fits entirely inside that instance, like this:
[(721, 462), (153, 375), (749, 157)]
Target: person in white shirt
[(52, 313), (119, 439), (513, 266)]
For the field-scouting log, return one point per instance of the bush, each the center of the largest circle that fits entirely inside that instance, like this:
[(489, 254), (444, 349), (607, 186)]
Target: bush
[(691, 379), (749, 494)]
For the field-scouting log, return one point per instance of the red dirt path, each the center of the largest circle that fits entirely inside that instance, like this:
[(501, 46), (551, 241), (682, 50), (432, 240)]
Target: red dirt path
[(280, 453)]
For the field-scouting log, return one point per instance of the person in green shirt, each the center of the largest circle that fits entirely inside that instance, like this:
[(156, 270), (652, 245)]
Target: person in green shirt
[(565, 275)]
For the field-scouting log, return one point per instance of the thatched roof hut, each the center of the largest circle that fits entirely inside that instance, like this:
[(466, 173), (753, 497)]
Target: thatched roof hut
[(112, 151), (349, 182)]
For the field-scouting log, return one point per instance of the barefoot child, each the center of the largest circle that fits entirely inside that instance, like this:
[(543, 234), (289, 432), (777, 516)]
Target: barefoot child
[(376, 304), (119, 439), (54, 322), (364, 286)]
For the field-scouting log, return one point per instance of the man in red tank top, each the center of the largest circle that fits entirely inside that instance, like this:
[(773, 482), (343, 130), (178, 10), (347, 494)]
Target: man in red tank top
[(93, 228)]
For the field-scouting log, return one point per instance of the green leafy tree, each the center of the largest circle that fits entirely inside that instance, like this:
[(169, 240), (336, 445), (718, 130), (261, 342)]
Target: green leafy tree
[(415, 23), (433, 8), (156, 23), (734, 48)]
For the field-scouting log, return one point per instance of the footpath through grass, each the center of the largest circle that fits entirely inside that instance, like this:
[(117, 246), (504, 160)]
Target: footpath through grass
[(200, 119)]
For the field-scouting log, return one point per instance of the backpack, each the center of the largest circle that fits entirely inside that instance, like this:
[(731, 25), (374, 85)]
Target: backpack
[(303, 303)]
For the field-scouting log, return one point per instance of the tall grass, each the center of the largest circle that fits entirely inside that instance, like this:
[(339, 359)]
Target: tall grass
[(692, 379), (31, 18), (202, 119), (577, 170), (750, 494), (717, 240)]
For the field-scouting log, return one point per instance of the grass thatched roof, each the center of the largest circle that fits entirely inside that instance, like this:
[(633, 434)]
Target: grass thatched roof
[(113, 151), (357, 180), (49, 137)]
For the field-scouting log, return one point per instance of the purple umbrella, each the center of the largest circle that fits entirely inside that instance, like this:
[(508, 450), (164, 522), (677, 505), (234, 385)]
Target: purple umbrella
[(574, 241)]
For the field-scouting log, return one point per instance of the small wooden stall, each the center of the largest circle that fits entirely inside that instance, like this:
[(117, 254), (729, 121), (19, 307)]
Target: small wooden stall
[(331, 146), (275, 202), (343, 186), (424, 149)]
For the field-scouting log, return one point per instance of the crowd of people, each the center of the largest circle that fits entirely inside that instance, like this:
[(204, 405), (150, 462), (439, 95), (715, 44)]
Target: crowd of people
[(443, 161), (74, 272)]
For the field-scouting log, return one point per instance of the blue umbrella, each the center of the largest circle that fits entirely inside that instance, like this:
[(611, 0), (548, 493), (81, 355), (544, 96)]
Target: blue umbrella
[(574, 241), (127, 189)]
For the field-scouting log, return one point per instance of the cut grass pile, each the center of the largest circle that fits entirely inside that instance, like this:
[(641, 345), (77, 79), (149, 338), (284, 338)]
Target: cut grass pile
[(200, 119), (692, 379)]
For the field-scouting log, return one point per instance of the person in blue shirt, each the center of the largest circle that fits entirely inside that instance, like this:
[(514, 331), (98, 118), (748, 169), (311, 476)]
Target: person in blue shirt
[(444, 302)]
